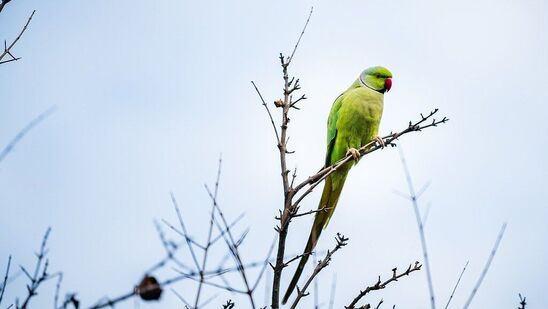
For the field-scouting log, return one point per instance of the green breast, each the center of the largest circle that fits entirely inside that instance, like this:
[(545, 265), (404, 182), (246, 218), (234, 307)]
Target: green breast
[(358, 122)]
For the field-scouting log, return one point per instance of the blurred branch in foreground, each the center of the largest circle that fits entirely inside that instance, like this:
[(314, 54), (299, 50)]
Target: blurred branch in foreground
[(199, 270), (487, 265), (414, 197), (19, 136)]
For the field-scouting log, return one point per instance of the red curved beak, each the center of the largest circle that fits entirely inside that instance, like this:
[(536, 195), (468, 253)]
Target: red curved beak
[(388, 84)]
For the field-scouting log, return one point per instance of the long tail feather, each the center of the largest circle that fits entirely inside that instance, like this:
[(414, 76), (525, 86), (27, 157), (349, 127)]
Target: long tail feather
[(330, 196)]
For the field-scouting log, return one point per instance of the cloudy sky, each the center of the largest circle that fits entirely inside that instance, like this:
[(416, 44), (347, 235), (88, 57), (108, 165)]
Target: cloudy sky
[(148, 95)]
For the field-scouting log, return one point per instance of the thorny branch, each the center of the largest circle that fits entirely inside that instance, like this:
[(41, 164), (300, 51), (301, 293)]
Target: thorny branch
[(8, 49), (379, 285)]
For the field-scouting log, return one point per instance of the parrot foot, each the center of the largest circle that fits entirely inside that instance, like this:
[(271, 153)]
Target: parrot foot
[(354, 152), (379, 141)]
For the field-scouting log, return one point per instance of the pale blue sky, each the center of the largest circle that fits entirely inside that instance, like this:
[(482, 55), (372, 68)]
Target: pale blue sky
[(149, 93)]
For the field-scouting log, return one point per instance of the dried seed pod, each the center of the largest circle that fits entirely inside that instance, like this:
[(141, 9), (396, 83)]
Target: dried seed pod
[(149, 289)]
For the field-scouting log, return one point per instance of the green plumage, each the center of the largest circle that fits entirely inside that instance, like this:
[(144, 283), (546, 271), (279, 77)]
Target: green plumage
[(353, 121)]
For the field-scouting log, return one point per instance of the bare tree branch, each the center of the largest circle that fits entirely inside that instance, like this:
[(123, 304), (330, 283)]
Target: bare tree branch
[(19, 136), (381, 285), (289, 87), (185, 233)]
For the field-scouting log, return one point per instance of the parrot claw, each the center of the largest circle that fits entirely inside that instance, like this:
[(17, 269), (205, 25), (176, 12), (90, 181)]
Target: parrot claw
[(379, 141), (354, 152)]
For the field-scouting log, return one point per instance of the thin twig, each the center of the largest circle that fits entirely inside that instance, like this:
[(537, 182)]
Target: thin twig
[(300, 36), (269, 113), (381, 285), (456, 285), (487, 265), (7, 49), (213, 284), (324, 209), (184, 231), (19, 136), (177, 246)]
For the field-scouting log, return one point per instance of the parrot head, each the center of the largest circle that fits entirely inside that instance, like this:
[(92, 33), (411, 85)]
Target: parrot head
[(377, 78)]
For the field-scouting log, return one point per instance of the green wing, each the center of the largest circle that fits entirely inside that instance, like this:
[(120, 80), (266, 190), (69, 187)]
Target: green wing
[(332, 128)]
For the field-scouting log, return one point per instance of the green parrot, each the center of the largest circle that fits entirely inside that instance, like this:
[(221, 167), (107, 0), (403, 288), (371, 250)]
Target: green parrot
[(353, 122)]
